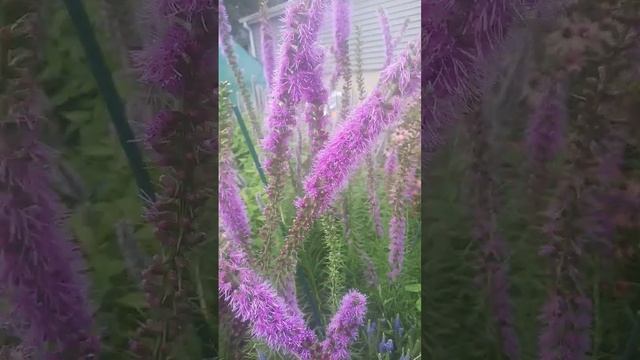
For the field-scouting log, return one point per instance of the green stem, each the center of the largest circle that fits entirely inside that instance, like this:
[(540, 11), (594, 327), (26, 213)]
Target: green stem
[(107, 88), (247, 140)]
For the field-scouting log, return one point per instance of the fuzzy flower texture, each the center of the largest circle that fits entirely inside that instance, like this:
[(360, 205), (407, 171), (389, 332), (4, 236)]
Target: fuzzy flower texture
[(40, 268), (254, 300)]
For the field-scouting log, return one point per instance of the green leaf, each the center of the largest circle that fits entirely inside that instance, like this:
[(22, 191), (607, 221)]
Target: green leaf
[(134, 300), (413, 288)]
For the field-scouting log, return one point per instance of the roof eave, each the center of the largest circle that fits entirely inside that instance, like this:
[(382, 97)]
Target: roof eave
[(271, 12)]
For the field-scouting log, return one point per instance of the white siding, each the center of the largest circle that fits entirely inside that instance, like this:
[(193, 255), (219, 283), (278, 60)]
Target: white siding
[(364, 13)]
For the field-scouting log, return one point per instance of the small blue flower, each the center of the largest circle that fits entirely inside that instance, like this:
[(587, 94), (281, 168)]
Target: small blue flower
[(371, 329), (397, 328), (261, 355), (385, 347)]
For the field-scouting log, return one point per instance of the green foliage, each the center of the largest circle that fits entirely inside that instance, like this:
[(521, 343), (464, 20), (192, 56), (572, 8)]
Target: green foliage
[(80, 129), (335, 262)]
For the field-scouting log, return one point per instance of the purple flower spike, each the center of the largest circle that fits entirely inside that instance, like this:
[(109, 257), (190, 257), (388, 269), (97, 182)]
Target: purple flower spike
[(567, 321), (346, 149), (342, 29), (296, 79), (41, 268), (343, 153), (396, 246), (253, 300), (502, 309), (233, 213), (343, 328), (43, 288), (458, 38), (545, 134), (159, 62), (267, 41), (386, 34)]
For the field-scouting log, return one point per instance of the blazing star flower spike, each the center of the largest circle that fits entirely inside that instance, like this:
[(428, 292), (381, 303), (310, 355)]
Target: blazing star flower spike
[(345, 150), (396, 247), (40, 267), (233, 213), (343, 328), (351, 143), (253, 300), (386, 34), (566, 332), (267, 41)]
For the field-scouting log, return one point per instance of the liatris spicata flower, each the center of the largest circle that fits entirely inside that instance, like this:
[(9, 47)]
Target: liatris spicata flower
[(343, 327), (566, 316), (497, 275), (231, 208), (545, 136), (183, 142), (493, 259), (403, 30), (233, 213), (386, 34), (566, 334), (359, 73), (458, 37), (41, 268), (391, 163), (371, 178), (253, 300), (370, 274), (396, 246), (545, 133), (267, 42), (404, 142), (295, 80), (227, 48), (350, 144), (342, 27)]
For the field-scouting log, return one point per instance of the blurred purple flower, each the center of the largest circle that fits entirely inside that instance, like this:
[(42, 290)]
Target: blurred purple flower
[(267, 42), (396, 246), (342, 29), (458, 38), (545, 132), (41, 268), (386, 34), (566, 333)]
